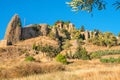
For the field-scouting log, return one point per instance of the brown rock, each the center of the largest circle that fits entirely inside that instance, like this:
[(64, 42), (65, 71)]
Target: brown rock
[(13, 32), (44, 29), (55, 31)]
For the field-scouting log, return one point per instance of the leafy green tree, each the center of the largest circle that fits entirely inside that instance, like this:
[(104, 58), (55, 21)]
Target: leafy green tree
[(117, 4), (89, 5)]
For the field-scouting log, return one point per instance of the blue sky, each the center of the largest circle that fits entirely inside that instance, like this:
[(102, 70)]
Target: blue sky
[(49, 11)]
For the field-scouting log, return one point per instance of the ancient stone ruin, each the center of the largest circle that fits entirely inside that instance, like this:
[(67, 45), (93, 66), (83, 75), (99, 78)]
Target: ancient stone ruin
[(15, 32)]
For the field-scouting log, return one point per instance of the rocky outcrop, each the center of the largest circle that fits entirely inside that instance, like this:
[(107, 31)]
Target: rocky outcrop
[(13, 32), (55, 31), (44, 29)]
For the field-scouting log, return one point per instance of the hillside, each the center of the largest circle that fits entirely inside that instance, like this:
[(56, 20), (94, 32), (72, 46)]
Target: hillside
[(41, 48)]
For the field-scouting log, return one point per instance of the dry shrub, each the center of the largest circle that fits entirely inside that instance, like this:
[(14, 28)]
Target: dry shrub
[(30, 68), (2, 50)]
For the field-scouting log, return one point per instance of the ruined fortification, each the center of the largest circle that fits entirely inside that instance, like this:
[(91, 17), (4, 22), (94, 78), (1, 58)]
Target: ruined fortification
[(15, 32)]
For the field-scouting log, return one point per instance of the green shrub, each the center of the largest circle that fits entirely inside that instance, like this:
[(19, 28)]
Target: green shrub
[(98, 54), (81, 53), (104, 60), (61, 58), (29, 58), (49, 50), (118, 60), (95, 55), (110, 60)]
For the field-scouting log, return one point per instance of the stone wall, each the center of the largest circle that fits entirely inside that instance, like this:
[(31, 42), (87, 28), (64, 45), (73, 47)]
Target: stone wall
[(34, 30), (30, 31)]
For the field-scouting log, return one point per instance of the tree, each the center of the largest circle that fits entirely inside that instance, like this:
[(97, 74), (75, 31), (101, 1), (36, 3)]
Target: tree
[(89, 5), (117, 4)]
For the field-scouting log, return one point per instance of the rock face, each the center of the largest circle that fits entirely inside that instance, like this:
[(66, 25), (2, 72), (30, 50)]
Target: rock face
[(55, 31), (44, 29), (13, 32)]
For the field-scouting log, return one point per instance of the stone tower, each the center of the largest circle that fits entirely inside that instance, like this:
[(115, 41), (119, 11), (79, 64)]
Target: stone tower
[(13, 31)]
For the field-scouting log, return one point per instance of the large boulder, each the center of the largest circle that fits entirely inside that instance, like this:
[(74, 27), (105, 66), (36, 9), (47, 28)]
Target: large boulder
[(13, 31)]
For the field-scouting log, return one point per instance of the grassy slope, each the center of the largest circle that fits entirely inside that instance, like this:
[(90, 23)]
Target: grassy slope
[(81, 70), (78, 70)]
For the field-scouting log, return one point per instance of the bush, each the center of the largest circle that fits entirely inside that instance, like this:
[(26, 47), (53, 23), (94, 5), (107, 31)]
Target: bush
[(29, 58), (110, 60), (98, 54), (104, 60), (61, 58), (81, 53), (95, 55), (49, 50)]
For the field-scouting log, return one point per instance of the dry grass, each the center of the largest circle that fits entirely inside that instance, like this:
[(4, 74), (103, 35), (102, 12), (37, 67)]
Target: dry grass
[(90, 74), (41, 39), (30, 68), (81, 70)]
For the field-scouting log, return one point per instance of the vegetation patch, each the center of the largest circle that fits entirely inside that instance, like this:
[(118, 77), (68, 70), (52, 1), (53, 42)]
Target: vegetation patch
[(50, 51), (61, 58), (110, 60), (29, 58), (98, 54)]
